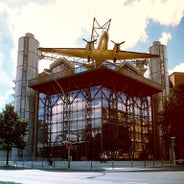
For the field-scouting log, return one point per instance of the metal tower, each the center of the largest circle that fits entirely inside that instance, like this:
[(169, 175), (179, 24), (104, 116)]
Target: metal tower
[(158, 71), (27, 68), (97, 28)]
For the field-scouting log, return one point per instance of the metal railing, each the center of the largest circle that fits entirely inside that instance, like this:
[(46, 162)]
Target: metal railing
[(59, 163)]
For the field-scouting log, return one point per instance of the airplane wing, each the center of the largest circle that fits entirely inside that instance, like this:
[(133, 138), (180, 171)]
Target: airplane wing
[(133, 55), (97, 54), (72, 52)]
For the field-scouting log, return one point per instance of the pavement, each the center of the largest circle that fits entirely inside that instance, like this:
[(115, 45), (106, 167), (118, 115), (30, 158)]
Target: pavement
[(109, 166), (75, 176)]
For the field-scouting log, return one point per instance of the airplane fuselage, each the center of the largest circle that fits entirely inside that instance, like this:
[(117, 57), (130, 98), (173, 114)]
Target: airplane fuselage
[(103, 41)]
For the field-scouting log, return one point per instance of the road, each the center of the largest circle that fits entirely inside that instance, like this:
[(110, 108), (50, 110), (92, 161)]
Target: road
[(30, 176)]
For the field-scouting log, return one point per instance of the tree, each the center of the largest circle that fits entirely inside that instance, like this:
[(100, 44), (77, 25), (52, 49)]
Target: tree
[(173, 116), (12, 130)]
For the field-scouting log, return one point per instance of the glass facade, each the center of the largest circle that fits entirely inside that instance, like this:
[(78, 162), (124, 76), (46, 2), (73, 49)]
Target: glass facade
[(95, 120)]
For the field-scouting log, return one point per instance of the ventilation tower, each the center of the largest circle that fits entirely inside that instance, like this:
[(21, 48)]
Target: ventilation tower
[(158, 71), (27, 68)]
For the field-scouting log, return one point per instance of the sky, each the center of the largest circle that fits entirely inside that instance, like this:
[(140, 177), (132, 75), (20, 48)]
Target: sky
[(63, 23)]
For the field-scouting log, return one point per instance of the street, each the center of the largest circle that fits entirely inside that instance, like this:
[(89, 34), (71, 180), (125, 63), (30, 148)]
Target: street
[(30, 176)]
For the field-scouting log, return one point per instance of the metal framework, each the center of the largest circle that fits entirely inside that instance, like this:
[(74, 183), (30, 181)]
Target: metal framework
[(97, 123), (97, 28), (100, 113), (100, 110)]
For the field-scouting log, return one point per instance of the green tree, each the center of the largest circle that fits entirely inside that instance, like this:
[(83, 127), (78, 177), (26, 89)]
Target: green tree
[(173, 116), (12, 130)]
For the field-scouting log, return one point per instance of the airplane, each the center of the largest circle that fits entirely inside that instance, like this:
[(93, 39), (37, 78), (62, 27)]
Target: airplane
[(99, 54)]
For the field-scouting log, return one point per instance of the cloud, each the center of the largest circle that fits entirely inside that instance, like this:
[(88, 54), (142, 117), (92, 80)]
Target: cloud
[(166, 12), (60, 23), (5, 83), (177, 68), (6, 91), (165, 38), (7, 66), (19, 3)]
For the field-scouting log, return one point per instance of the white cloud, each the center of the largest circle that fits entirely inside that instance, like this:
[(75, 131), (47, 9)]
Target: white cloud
[(177, 68), (6, 91), (166, 12), (165, 38), (60, 23)]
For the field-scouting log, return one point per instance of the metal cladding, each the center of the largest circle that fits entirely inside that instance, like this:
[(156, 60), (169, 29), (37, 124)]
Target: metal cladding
[(158, 67), (27, 68), (159, 73)]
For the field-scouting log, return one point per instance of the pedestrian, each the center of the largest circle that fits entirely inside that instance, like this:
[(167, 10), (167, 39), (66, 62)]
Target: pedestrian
[(50, 160)]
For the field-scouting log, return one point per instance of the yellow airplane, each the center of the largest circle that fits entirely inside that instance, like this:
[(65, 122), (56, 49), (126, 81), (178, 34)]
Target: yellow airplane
[(99, 54)]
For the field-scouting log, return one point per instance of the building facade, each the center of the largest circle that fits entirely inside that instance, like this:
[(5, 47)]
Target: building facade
[(158, 72), (25, 97), (106, 110), (176, 78)]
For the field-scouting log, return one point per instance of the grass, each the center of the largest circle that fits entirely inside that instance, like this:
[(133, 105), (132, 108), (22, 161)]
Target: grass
[(10, 166), (8, 182), (6, 166)]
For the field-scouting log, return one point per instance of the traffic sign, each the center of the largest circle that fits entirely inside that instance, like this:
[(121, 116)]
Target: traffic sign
[(68, 145)]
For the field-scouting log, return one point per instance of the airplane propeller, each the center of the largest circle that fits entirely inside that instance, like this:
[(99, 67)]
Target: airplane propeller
[(89, 42), (117, 47), (90, 45)]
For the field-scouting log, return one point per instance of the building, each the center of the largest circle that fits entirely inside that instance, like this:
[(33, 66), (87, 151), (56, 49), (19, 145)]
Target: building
[(99, 110), (25, 97), (109, 109), (176, 78), (158, 72)]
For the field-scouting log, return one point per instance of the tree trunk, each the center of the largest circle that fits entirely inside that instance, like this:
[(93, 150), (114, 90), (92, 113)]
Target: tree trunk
[(7, 156)]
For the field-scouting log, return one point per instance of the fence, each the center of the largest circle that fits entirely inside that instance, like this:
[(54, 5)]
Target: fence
[(43, 163)]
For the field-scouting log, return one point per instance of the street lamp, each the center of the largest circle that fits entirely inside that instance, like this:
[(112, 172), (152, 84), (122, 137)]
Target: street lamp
[(173, 150), (66, 100)]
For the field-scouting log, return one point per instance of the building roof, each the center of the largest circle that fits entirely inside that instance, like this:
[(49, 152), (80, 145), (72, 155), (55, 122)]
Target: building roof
[(177, 78), (121, 80)]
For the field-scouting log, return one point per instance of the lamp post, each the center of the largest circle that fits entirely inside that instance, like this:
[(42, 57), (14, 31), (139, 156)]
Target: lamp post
[(173, 150), (66, 100)]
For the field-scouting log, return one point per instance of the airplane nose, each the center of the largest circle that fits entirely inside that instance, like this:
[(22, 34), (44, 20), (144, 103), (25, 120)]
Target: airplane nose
[(103, 41), (105, 34)]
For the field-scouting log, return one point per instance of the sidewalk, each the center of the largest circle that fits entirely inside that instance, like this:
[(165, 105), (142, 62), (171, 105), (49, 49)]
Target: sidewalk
[(126, 166), (98, 166)]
